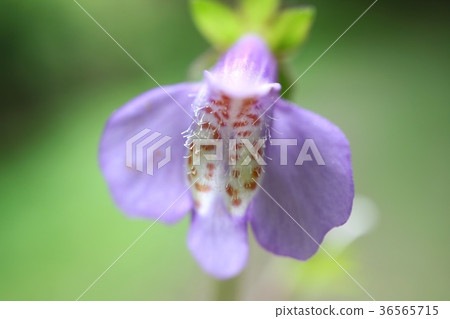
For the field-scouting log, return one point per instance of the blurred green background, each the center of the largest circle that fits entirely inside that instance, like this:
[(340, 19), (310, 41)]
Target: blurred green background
[(385, 83)]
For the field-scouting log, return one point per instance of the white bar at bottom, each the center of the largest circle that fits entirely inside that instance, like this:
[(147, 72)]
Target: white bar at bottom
[(224, 309)]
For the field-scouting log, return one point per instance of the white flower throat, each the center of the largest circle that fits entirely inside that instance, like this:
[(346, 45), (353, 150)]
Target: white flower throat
[(233, 177)]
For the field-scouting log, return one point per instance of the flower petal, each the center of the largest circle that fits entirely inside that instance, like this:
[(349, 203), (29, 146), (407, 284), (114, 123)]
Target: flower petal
[(136, 193), (247, 69), (318, 197), (219, 242)]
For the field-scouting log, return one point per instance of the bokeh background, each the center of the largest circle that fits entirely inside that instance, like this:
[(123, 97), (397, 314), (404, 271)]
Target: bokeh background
[(385, 83)]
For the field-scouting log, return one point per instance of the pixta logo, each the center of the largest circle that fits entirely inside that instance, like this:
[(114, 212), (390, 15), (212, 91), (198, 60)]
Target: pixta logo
[(145, 150), (148, 150), (308, 151)]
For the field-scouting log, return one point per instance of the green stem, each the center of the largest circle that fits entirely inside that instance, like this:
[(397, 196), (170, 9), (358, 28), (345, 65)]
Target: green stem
[(228, 290), (285, 78)]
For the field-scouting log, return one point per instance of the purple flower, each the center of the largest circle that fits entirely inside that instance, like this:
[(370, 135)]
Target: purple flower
[(232, 103)]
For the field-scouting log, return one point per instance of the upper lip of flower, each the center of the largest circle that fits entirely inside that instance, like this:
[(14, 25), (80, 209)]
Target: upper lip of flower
[(318, 197), (241, 89)]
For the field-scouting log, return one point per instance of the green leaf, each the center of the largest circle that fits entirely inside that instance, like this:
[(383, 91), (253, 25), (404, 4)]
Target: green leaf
[(291, 28), (257, 12), (216, 22)]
